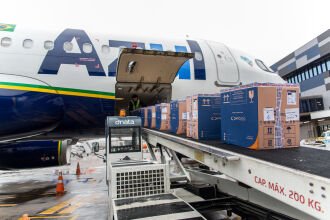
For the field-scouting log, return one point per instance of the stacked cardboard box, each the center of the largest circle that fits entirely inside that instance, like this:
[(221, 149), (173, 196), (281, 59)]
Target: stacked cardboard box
[(261, 116), (163, 116), (178, 116), (152, 116), (205, 116)]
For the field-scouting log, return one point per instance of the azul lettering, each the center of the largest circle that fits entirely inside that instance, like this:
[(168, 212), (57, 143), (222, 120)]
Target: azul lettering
[(56, 57), (233, 118)]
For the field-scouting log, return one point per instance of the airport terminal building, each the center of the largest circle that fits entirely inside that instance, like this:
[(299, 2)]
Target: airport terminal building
[(309, 66)]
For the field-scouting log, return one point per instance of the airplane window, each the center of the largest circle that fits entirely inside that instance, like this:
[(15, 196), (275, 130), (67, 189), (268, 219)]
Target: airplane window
[(262, 66), (67, 46), (105, 49), (6, 42), (49, 45), (87, 48), (27, 43)]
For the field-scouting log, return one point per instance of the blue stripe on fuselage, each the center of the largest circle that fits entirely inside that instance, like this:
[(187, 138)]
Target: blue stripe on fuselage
[(199, 65), (184, 71)]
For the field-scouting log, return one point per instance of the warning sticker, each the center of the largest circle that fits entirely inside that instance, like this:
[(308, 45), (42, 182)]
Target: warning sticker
[(154, 115), (269, 114), (163, 117), (164, 110), (195, 115), (292, 114), (195, 104), (292, 98), (184, 115)]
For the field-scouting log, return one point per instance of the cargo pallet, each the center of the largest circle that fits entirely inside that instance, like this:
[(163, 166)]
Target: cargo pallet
[(295, 181)]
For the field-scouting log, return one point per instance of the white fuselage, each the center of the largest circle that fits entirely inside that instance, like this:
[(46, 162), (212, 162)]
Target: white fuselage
[(74, 64)]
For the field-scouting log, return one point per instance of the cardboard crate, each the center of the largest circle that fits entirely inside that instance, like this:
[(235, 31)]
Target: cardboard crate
[(163, 116), (152, 116), (206, 116), (261, 116), (178, 116)]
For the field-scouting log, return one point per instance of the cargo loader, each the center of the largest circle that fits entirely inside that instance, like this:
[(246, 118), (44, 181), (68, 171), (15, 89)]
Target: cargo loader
[(290, 183), (294, 182), (138, 189)]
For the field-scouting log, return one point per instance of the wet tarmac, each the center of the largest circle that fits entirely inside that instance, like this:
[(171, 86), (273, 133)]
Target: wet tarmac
[(32, 192)]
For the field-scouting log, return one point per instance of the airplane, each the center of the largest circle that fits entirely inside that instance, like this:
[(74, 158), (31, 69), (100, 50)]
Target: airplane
[(57, 87)]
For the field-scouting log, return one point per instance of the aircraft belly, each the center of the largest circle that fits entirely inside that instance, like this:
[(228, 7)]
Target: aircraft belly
[(27, 113), (85, 113), (30, 113)]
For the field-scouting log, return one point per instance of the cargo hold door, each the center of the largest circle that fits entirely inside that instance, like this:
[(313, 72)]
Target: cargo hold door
[(148, 74), (227, 69)]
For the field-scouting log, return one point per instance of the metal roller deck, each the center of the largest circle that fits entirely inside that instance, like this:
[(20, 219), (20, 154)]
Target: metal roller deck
[(298, 177)]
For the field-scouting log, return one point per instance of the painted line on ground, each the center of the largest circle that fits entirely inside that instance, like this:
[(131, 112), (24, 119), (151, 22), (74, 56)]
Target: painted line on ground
[(57, 207), (72, 208), (7, 205), (71, 217)]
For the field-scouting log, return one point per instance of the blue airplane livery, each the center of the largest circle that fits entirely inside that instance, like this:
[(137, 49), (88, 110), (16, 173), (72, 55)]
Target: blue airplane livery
[(57, 87)]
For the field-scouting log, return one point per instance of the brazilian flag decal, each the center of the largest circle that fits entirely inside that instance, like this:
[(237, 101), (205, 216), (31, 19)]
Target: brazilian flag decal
[(7, 27)]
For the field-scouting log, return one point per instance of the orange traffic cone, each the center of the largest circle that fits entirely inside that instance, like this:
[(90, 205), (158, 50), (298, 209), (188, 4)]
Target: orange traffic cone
[(144, 146), (60, 185), (78, 169), (25, 217)]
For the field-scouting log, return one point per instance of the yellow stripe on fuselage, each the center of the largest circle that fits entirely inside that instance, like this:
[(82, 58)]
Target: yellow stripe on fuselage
[(57, 92), (28, 89), (86, 95)]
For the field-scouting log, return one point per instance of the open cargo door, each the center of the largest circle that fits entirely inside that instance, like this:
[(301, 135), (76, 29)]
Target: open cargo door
[(148, 74)]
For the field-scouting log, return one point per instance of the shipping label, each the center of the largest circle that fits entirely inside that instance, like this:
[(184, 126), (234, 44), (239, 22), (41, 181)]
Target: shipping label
[(195, 115), (163, 116), (195, 104), (164, 110), (292, 98), (269, 114), (292, 114)]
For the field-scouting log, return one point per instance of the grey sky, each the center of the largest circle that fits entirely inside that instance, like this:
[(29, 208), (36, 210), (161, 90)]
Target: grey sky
[(267, 29)]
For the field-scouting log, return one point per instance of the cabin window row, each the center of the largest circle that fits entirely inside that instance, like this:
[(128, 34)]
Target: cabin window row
[(310, 72), (49, 45)]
